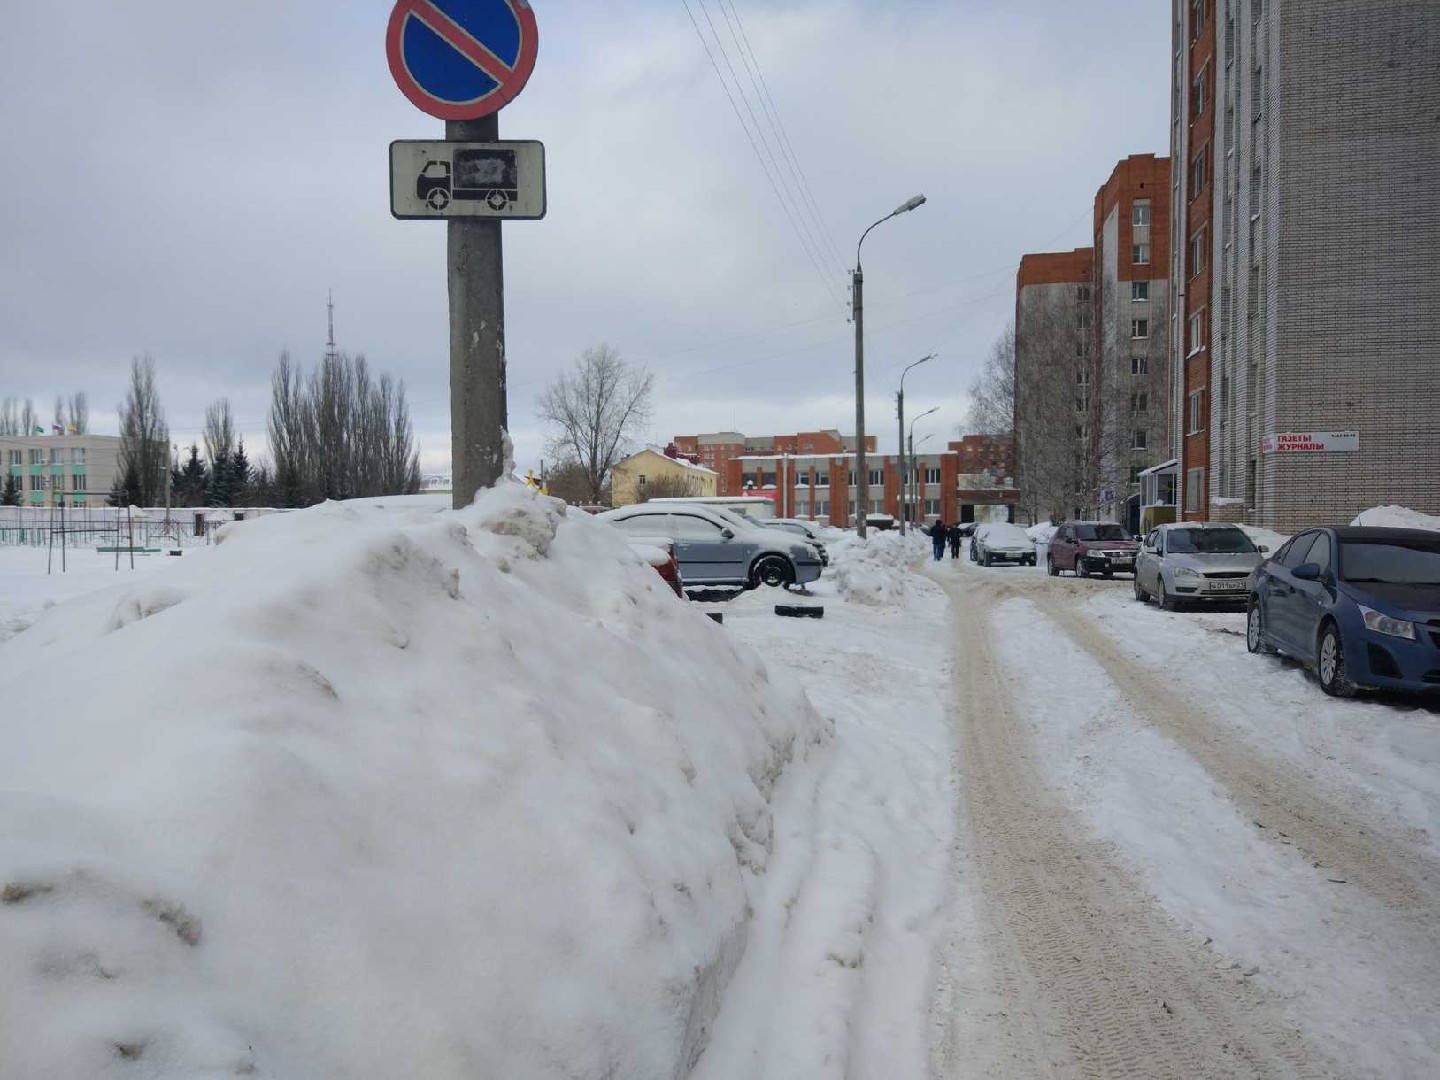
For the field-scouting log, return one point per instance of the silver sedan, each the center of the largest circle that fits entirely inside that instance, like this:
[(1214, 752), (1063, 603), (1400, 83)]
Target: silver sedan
[(1194, 562)]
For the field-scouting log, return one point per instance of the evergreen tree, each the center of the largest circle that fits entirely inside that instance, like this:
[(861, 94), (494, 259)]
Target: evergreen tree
[(126, 491), (241, 476), (191, 480), (11, 494)]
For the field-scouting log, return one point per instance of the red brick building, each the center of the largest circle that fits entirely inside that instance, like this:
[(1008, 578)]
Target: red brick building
[(717, 450)]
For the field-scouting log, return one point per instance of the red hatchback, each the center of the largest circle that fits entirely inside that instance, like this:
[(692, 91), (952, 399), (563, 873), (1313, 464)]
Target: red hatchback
[(1092, 547)]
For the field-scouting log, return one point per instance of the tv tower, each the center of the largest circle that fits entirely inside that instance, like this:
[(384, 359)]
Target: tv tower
[(331, 353)]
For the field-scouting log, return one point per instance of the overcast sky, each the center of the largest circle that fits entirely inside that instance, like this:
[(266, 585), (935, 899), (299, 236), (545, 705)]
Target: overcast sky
[(188, 179)]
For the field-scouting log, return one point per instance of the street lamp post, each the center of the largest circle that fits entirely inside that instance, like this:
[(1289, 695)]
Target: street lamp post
[(857, 310), (917, 419), (900, 407)]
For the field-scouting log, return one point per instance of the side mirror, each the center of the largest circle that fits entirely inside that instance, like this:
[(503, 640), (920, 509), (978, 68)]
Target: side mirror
[(728, 533), (1263, 549), (1306, 572)]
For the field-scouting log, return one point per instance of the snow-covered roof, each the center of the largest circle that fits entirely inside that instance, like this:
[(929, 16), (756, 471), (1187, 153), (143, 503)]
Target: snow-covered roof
[(659, 451)]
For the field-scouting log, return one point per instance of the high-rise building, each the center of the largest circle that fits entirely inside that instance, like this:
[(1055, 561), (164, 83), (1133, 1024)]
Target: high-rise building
[(1130, 413), (1305, 258), (1054, 313)]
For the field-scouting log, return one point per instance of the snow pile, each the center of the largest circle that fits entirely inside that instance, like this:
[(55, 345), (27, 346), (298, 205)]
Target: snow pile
[(1397, 517), (375, 791), (1041, 533), (874, 571), (1269, 539)]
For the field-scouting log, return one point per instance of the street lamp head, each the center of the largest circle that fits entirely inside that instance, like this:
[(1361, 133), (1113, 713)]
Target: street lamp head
[(910, 204)]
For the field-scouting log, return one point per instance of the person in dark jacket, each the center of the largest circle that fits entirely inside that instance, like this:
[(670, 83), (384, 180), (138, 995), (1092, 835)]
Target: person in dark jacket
[(938, 533), (954, 538)]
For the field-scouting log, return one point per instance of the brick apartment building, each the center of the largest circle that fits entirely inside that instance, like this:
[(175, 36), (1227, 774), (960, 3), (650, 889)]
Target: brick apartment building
[(1091, 381), (1305, 266), (717, 449)]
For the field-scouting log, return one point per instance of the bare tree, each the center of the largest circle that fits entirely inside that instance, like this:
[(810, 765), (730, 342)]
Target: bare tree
[(569, 481), (1052, 388), (340, 433), (668, 487), (144, 436), (79, 413), (992, 391), (10, 417), (27, 417), (219, 434), (596, 411)]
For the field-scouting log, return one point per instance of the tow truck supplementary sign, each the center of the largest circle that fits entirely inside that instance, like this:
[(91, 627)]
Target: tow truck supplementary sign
[(436, 179), (1309, 442), (461, 59)]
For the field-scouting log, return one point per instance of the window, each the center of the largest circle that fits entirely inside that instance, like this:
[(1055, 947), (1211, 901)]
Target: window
[(1257, 82), (822, 507), (877, 506), (1139, 290), (37, 457), (1139, 443), (1139, 328), (688, 527), (822, 479), (1139, 402), (932, 507), (1196, 255), (1194, 489), (1319, 553), (932, 474), (77, 455), (1134, 475), (1197, 332), (877, 476), (1297, 550), (1197, 18), (77, 481), (1199, 170), (1140, 254), (1140, 212), (57, 456), (640, 481), (1197, 412), (1198, 94), (37, 483), (17, 457), (1139, 365)]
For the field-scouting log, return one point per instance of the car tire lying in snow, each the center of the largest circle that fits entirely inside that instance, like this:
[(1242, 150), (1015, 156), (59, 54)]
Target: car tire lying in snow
[(800, 611)]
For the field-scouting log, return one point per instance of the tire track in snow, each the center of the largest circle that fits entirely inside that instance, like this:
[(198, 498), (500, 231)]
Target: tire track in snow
[(1098, 983), (1336, 833)]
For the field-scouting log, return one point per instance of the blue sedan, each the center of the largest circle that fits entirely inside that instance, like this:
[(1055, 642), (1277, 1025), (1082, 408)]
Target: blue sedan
[(1361, 606)]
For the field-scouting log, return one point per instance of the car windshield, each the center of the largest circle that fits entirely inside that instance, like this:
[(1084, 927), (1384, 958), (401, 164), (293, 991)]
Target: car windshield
[(1208, 542), (1100, 532), (1397, 562), (1005, 534)]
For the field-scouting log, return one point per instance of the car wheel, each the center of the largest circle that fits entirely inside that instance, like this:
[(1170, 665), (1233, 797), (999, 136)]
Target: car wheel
[(772, 570), (1255, 630), (1166, 601), (1140, 593), (1081, 570), (985, 559), (1330, 663), (1051, 568), (1109, 575)]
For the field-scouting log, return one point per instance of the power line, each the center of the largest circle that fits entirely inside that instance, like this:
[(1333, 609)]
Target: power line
[(777, 126), (825, 280)]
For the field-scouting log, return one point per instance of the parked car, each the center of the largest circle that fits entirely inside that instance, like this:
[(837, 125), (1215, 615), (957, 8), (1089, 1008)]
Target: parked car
[(659, 552), (713, 550), (1092, 547), (1361, 606), (999, 541), (1194, 562), (807, 529), (741, 522)]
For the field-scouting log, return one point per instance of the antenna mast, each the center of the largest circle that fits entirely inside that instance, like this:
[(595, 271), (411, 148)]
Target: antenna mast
[(331, 353)]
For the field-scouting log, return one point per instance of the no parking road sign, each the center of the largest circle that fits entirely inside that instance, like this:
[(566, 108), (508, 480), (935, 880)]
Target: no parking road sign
[(461, 59)]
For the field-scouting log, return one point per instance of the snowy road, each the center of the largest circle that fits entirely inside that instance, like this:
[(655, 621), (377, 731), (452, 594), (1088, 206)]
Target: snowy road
[(1160, 887)]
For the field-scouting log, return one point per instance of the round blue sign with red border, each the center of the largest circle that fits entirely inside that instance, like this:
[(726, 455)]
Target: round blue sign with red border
[(461, 59)]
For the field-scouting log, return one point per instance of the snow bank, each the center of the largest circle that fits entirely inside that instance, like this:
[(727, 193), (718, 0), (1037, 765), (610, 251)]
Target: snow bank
[(372, 791), (875, 570), (1397, 517), (1269, 539), (1042, 533)]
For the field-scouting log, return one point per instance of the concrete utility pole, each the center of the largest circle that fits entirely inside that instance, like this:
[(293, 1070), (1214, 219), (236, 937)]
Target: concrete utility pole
[(478, 414), (857, 314), (900, 406)]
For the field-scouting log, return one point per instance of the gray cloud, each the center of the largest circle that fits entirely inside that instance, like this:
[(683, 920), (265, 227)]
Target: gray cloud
[(189, 179)]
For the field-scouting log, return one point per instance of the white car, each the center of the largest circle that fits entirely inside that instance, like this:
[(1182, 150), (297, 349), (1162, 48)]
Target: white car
[(999, 541), (717, 548)]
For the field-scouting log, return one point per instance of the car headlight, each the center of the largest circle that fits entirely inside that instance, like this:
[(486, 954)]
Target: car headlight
[(1386, 624), (1186, 571)]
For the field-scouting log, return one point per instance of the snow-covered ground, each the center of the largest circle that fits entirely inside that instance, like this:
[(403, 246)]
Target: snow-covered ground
[(27, 589), (378, 791)]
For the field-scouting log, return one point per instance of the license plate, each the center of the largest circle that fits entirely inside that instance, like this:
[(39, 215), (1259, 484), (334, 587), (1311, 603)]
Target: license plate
[(1227, 586)]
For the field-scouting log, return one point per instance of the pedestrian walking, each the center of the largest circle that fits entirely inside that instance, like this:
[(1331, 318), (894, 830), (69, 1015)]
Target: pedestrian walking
[(938, 533), (954, 538)]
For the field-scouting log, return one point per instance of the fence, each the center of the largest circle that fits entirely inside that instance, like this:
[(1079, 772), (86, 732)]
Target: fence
[(107, 526)]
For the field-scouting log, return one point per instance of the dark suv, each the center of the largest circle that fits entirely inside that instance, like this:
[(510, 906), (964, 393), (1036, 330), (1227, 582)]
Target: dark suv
[(1092, 547)]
